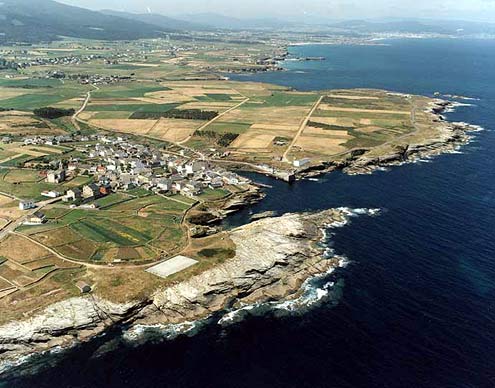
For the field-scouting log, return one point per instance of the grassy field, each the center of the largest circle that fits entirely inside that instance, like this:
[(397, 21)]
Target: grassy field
[(149, 225), (25, 184)]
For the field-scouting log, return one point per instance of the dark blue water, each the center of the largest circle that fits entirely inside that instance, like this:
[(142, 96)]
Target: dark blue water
[(418, 304)]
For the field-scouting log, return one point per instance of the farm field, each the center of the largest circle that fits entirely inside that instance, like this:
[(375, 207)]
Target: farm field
[(125, 229)]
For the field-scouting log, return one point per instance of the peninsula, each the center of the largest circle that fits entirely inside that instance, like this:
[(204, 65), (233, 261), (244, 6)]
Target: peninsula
[(119, 160)]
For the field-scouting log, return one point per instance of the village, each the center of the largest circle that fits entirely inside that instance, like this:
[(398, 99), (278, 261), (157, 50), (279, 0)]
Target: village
[(113, 164)]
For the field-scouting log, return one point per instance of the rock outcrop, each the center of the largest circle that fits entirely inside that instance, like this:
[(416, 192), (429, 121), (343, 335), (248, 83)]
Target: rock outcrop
[(440, 137), (274, 256)]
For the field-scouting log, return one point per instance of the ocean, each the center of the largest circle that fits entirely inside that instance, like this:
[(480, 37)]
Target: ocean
[(414, 306)]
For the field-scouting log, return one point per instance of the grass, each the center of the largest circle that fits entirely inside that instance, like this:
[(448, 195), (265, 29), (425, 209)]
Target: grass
[(56, 212), (111, 115), (131, 108), (64, 123), (219, 253), (150, 203), (18, 161), (213, 194), (280, 99), (127, 91), (214, 97), (221, 128), (360, 115), (45, 97), (95, 235), (27, 190), (31, 82), (112, 199), (106, 230), (20, 175), (78, 181)]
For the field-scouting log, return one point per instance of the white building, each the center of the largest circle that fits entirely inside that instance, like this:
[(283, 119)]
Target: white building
[(51, 194), (301, 162), (26, 205)]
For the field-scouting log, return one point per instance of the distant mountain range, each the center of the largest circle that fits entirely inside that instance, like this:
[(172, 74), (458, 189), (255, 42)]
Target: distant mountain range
[(417, 26), (232, 23), (47, 20), (161, 21)]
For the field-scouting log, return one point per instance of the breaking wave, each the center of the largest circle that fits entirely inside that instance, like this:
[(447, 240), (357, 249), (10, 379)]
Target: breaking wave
[(321, 288)]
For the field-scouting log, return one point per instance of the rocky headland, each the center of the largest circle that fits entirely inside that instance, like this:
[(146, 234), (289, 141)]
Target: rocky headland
[(439, 137), (274, 256)]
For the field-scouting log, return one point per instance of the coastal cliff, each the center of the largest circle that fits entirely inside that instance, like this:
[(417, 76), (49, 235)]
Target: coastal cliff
[(435, 138), (274, 256)]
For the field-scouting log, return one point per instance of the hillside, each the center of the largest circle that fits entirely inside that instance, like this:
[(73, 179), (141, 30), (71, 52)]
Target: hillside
[(21, 22)]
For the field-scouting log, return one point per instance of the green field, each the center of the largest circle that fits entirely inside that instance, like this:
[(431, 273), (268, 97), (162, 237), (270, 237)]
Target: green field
[(130, 91), (106, 230), (360, 115), (29, 83), (131, 108), (112, 199), (214, 97), (280, 99), (42, 97), (222, 127), (17, 161), (146, 224), (213, 194)]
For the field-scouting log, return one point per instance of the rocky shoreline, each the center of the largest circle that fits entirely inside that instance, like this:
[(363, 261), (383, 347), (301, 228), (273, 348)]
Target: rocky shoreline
[(274, 257), (448, 138)]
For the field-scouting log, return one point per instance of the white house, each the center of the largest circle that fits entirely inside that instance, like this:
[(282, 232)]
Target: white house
[(301, 162), (37, 218), (50, 194), (26, 205)]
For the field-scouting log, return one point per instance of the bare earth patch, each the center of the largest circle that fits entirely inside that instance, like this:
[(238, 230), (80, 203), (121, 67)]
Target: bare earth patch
[(174, 130), (140, 127)]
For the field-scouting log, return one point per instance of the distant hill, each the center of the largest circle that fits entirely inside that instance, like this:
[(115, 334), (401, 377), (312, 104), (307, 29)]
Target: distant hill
[(417, 26), (158, 20), (232, 23), (46, 20)]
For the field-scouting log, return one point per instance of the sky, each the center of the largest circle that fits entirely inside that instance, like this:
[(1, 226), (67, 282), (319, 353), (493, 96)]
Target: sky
[(477, 10)]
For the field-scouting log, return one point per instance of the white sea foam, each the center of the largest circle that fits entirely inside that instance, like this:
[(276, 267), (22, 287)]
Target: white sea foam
[(314, 290), (11, 364), (139, 334)]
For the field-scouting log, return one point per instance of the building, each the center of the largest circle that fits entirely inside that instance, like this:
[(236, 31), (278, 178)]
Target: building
[(301, 162), (104, 190), (26, 205), (73, 194), (90, 191), (55, 176), (83, 287), (37, 218), (50, 194)]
